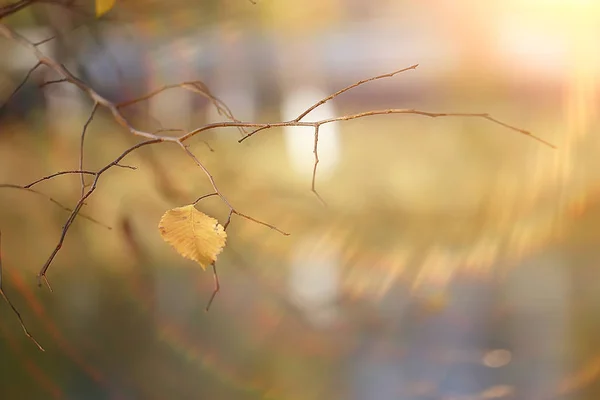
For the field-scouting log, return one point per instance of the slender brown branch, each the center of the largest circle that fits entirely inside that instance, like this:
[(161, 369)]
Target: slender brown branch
[(314, 174), (370, 114), (65, 73), (54, 201), (226, 224), (45, 178), (435, 115), (15, 7), (200, 88), (217, 286), (17, 313), (214, 186), (208, 146), (81, 145), (126, 166), (52, 82), (347, 88), (197, 87), (80, 204), (206, 172), (43, 41), (262, 128), (249, 218), (205, 196), (21, 84), (170, 130), (222, 108)]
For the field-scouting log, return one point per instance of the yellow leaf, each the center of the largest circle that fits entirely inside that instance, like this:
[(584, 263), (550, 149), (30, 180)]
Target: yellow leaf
[(104, 6), (193, 234)]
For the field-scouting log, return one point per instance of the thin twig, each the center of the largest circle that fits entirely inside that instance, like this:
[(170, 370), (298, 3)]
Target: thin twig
[(199, 87), (208, 146), (228, 220), (64, 72), (5, 296), (126, 166), (205, 196), (21, 84), (80, 203), (214, 185), (54, 201), (170, 130), (370, 114), (46, 83), (314, 174), (347, 88), (45, 178), (193, 86), (81, 145), (12, 8), (214, 264), (43, 41), (217, 286)]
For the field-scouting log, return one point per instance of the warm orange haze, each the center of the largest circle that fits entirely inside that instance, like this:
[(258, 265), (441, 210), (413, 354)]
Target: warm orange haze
[(445, 248)]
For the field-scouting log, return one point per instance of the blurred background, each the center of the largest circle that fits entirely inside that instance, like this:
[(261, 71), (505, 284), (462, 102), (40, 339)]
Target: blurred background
[(455, 259)]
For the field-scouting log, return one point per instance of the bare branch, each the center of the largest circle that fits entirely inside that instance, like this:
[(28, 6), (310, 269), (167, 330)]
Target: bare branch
[(204, 197), (126, 166), (45, 178), (435, 115), (51, 199), (231, 208), (43, 41), (13, 307), (208, 146), (249, 218), (52, 82), (170, 130), (262, 128), (12, 8), (314, 174), (370, 114), (226, 224), (217, 286), (347, 88), (20, 85), (214, 264), (200, 88), (80, 204), (81, 147), (193, 86), (63, 71)]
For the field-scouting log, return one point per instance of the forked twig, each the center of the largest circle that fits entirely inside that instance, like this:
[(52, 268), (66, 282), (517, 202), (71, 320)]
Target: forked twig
[(347, 88), (27, 188), (81, 202), (218, 193), (5, 297), (199, 87)]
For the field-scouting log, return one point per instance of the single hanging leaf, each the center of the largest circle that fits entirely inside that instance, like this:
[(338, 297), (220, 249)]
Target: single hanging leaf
[(193, 234), (104, 6)]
